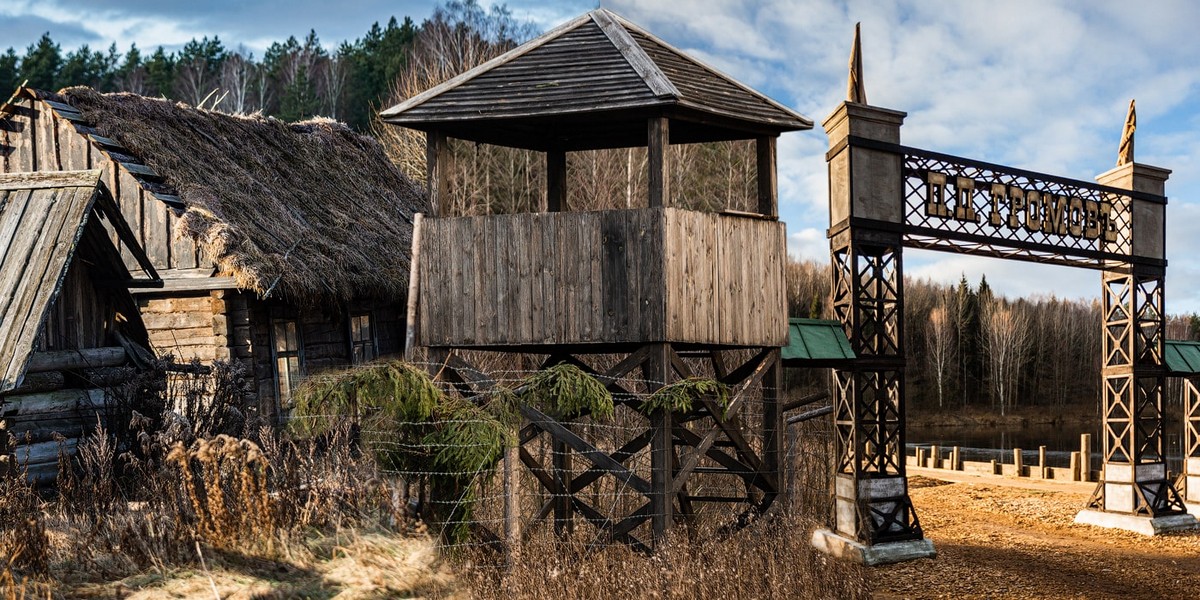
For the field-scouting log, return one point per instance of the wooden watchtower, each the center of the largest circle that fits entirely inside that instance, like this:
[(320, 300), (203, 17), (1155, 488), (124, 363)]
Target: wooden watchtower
[(669, 291)]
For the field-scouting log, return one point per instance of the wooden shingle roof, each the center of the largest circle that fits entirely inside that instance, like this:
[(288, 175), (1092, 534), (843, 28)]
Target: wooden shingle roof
[(43, 218), (592, 83)]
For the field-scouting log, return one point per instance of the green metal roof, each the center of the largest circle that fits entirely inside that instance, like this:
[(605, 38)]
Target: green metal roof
[(817, 342), (1182, 358)]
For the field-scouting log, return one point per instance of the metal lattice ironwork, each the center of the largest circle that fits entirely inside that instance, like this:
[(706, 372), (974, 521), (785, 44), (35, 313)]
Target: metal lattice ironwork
[(968, 207), (1192, 423), (1134, 378), (868, 399)]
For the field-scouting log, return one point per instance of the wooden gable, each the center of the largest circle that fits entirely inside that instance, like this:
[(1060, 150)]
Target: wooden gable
[(45, 219)]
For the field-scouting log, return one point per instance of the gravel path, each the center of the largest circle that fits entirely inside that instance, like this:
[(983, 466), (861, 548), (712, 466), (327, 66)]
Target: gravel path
[(997, 539)]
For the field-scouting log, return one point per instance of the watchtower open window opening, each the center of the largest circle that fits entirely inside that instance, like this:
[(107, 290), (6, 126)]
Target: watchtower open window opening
[(481, 178)]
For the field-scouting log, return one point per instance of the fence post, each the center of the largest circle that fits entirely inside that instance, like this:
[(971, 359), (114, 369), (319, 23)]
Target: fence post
[(935, 457), (1042, 461), (512, 527), (1075, 467), (1019, 461)]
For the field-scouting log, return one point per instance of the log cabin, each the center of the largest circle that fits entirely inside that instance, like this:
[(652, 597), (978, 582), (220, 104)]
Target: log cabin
[(67, 318), (283, 246)]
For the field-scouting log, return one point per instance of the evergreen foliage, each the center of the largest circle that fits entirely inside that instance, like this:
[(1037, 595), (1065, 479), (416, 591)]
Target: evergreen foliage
[(565, 391), (681, 396), (294, 80), (410, 425)]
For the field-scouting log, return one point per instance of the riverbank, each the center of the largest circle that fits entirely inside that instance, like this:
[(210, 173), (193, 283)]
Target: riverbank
[(1082, 416), (1002, 539)]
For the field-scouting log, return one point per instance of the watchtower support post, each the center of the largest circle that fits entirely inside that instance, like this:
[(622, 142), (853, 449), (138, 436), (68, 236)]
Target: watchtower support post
[(768, 176), (437, 164), (556, 180), (658, 158), (657, 371)]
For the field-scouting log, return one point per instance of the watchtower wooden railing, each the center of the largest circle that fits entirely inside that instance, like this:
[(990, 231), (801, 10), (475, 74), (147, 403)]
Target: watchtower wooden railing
[(617, 277)]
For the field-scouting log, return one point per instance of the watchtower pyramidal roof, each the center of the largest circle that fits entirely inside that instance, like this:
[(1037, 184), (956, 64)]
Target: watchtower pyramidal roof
[(592, 83)]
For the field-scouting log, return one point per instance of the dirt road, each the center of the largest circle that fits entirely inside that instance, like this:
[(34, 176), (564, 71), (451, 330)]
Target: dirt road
[(1000, 539)]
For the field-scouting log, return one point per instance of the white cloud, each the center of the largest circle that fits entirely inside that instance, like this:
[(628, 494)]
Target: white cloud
[(808, 244)]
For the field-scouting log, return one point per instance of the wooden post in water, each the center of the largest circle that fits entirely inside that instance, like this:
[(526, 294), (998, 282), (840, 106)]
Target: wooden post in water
[(1085, 457), (1075, 467), (935, 457), (1042, 462), (1019, 461)]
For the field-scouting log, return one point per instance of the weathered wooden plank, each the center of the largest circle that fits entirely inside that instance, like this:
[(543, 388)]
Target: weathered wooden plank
[(35, 262), (548, 257), (155, 233), (66, 360), (537, 275), (183, 247)]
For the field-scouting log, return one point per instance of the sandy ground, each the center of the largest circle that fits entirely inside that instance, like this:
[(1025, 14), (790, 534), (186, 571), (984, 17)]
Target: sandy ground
[(1009, 538)]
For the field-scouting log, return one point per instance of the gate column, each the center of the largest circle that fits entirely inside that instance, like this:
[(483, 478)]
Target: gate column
[(873, 519), (1134, 492), (1191, 447)]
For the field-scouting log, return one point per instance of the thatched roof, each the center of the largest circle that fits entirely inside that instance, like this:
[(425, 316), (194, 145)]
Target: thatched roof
[(310, 211)]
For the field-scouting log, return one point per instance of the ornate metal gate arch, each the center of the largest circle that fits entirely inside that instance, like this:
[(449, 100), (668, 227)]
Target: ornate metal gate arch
[(885, 196)]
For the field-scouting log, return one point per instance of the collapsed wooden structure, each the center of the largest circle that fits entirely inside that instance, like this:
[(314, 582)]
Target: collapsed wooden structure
[(68, 324), (283, 246), (641, 297)]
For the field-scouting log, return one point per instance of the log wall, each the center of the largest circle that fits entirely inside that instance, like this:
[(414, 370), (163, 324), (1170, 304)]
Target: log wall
[(605, 277), (324, 337), (60, 401)]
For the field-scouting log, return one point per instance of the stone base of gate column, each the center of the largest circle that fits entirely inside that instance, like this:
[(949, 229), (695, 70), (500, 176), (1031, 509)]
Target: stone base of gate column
[(1137, 524), (842, 547), (1191, 485), (1139, 499)]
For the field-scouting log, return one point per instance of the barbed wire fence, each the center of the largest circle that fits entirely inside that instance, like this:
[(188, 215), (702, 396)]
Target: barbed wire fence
[(499, 500)]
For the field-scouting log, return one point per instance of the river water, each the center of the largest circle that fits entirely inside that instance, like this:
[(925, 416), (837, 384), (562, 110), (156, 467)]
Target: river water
[(998, 442)]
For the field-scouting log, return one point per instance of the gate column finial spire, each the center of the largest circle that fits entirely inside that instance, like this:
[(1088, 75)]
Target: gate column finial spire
[(1125, 151), (856, 90)]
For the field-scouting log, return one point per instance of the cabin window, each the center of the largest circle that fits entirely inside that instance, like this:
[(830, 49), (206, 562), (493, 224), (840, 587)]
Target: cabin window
[(288, 367), (362, 339)]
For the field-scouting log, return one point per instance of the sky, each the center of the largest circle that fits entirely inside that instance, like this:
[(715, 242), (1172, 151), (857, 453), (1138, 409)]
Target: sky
[(1041, 85)]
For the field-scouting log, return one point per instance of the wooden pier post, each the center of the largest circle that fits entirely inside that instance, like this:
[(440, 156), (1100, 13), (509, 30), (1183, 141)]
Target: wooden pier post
[(1085, 457), (1019, 461)]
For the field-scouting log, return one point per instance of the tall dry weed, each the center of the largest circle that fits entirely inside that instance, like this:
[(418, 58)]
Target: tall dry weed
[(223, 484)]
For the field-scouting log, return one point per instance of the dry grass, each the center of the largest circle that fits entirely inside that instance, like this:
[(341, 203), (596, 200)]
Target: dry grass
[(770, 559), (258, 514)]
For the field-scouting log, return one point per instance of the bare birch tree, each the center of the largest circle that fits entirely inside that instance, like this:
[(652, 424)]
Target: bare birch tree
[(940, 345), (1005, 334)]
